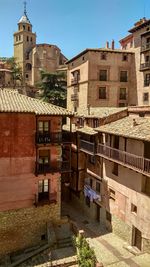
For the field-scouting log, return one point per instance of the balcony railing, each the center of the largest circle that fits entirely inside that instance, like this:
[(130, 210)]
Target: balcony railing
[(132, 161), (47, 138), (60, 166), (145, 47), (74, 97), (87, 147), (145, 65)]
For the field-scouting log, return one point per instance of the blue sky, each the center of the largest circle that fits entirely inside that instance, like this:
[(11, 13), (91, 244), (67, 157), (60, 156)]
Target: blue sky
[(72, 25)]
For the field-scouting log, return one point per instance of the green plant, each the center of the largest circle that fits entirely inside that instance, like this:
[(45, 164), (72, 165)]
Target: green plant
[(85, 255), (53, 88)]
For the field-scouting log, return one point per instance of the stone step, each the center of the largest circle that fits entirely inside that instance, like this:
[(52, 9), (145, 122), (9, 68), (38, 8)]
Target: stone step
[(66, 262)]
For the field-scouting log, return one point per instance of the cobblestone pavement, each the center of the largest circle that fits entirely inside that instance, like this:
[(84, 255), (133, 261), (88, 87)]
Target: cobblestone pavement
[(109, 249)]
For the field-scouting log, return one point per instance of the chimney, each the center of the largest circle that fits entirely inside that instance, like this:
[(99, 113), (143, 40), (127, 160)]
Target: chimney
[(107, 44), (113, 45)]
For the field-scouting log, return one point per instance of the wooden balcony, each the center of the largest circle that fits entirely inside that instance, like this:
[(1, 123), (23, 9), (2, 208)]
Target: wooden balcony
[(145, 66), (48, 138), (60, 166), (87, 147), (134, 162), (145, 47)]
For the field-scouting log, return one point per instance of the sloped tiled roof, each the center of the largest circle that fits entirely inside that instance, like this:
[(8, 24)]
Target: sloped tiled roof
[(127, 127), (86, 130), (100, 112), (12, 101)]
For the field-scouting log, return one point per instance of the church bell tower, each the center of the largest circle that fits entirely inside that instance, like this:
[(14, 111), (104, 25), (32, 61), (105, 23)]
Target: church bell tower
[(24, 41)]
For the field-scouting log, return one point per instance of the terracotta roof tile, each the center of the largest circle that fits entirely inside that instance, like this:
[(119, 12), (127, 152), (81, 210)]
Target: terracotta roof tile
[(125, 127), (12, 101)]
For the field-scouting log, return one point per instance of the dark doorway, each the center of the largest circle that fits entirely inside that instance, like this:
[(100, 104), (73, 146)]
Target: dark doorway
[(98, 213), (136, 238)]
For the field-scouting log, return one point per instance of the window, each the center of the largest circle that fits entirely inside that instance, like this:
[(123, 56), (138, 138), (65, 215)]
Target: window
[(145, 97), (28, 66), (123, 76), (82, 58), (115, 169), (43, 126), (133, 208), (28, 28), (43, 186), (103, 75), (147, 59), (19, 37), (24, 27), (98, 187), (108, 216), (112, 194), (122, 95), (91, 182), (31, 39), (102, 93), (148, 40), (27, 55), (95, 123), (27, 38), (43, 190), (124, 57), (16, 38), (92, 159), (103, 56), (27, 76), (147, 79)]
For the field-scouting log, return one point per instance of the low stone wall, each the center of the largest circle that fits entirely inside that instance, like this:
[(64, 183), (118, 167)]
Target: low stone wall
[(23, 228)]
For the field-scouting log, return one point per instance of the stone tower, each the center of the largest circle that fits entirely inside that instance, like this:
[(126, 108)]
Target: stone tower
[(24, 41)]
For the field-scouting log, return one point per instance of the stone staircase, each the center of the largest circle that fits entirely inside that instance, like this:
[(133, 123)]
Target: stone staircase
[(58, 252)]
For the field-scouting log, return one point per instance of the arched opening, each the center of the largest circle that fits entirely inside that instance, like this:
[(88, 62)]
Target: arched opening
[(28, 66)]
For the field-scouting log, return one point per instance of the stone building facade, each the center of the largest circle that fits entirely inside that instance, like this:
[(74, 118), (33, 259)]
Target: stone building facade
[(101, 78), (139, 42), (116, 190), (31, 165), (32, 57)]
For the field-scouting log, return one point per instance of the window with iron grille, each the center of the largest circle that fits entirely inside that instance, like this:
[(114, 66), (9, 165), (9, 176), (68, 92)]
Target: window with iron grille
[(98, 187)]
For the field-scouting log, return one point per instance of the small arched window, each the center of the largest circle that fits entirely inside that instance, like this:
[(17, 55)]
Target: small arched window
[(28, 28), (24, 27), (27, 38)]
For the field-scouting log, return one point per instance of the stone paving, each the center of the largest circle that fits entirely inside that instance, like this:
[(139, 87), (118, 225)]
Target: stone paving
[(109, 249)]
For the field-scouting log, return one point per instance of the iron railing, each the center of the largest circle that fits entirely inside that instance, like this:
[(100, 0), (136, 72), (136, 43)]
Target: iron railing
[(47, 138), (59, 166)]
